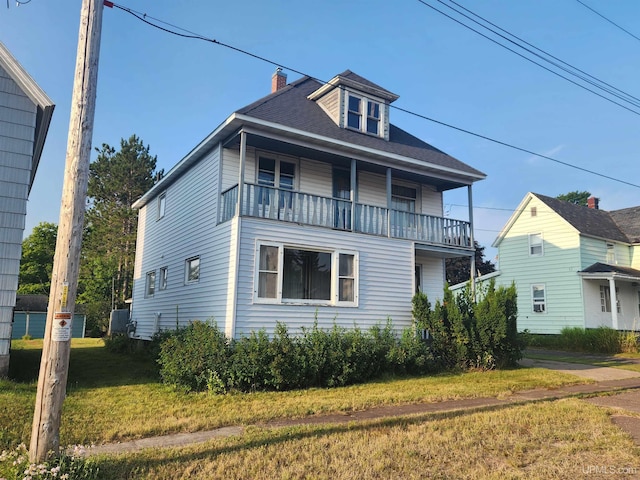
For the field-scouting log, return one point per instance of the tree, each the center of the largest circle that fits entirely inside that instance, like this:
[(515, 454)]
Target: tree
[(116, 180), (458, 269), (576, 197), (36, 264)]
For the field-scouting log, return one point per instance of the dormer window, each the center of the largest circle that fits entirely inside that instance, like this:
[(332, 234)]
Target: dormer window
[(357, 108)]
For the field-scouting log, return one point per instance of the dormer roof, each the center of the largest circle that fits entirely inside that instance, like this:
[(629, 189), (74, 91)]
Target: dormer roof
[(356, 82)]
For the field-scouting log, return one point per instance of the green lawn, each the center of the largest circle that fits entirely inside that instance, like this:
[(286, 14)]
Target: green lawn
[(620, 360), (113, 397)]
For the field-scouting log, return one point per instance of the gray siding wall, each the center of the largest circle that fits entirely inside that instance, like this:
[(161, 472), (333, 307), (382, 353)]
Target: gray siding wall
[(433, 275), (17, 127), (188, 229), (385, 287)]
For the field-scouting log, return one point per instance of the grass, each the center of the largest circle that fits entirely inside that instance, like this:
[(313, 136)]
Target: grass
[(620, 360), (113, 397), (564, 439)]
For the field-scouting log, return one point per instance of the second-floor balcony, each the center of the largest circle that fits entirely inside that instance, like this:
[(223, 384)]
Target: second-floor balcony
[(306, 209)]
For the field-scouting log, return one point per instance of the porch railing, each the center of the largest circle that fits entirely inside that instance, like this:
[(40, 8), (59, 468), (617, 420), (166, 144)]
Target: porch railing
[(297, 207)]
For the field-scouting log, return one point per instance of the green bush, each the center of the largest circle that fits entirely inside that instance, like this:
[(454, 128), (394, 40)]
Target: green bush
[(198, 357), (193, 355), (469, 333)]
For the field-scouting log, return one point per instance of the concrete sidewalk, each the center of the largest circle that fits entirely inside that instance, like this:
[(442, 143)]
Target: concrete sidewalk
[(607, 380)]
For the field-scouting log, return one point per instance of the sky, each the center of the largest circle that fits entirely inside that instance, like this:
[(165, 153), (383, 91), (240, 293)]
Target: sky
[(173, 91)]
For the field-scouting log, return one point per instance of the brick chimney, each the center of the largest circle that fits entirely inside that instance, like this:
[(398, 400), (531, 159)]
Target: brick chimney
[(593, 202), (278, 80)]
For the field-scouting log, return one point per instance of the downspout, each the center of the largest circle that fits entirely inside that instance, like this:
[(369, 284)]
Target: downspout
[(231, 324), (473, 243)]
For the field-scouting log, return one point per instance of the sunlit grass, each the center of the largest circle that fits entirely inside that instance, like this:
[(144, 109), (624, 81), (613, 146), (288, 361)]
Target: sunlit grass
[(620, 360), (561, 440), (113, 397)]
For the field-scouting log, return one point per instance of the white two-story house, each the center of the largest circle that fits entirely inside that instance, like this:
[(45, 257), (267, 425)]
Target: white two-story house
[(305, 205)]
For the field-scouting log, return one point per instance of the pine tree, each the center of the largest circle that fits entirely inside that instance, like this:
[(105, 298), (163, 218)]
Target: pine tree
[(117, 178)]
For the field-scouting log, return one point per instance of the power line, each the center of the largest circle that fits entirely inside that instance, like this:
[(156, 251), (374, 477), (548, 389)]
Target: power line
[(544, 52), (610, 21), (423, 2), (188, 34)]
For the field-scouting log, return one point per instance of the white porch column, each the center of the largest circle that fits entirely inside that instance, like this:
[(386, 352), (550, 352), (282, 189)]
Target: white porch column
[(353, 194), (471, 239), (614, 304), (389, 202), (243, 155)]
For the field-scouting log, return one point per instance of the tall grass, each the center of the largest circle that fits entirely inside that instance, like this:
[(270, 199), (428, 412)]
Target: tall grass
[(589, 340)]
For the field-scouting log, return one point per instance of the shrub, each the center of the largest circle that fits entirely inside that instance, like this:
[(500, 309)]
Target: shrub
[(191, 356), (469, 333), (597, 340)]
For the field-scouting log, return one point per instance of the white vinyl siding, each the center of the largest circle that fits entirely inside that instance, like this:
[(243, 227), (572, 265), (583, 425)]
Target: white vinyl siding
[(376, 300), (17, 129), (189, 231), (330, 103)]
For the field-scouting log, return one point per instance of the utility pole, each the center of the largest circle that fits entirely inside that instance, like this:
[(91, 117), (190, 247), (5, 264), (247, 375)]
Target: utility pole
[(52, 382)]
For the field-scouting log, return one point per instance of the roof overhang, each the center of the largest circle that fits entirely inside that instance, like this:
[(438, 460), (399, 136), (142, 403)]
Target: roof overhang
[(340, 81), (609, 276), (238, 122), (43, 104)]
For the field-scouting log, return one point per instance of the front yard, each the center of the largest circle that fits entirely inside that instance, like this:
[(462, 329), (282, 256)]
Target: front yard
[(113, 398)]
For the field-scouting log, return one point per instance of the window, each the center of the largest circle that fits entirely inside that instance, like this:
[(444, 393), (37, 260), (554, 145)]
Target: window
[(403, 198), (535, 244), (163, 278), (150, 287), (275, 173), (162, 202), (192, 270), (364, 115), (316, 276), (539, 301), (605, 299), (611, 254), (534, 211)]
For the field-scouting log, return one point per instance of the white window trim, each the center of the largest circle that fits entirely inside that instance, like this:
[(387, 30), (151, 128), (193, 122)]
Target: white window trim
[(151, 275), (611, 257), (541, 254), (162, 205), (535, 301), (278, 158), (364, 101), (335, 277), (186, 270), (163, 281)]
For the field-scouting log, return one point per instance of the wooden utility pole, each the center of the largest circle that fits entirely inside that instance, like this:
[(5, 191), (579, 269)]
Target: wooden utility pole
[(52, 382)]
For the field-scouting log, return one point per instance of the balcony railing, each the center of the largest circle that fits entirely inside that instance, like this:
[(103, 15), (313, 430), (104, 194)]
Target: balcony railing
[(303, 208)]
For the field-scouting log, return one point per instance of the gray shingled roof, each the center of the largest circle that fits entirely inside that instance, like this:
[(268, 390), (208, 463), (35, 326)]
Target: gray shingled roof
[(605, 268), (628, 219), (290, 107), (597, 223)]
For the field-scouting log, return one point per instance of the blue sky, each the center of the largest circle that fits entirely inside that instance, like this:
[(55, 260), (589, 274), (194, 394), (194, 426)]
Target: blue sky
[(172, 92)]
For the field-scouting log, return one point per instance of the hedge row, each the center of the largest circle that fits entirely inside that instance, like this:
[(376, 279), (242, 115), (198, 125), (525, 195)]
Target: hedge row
[(199, 357)]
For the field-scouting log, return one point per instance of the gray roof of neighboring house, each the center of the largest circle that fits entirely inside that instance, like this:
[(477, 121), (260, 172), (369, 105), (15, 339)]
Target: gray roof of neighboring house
[(619, 225), (628, 219), (40, 99), (605, 268), (290, 107)]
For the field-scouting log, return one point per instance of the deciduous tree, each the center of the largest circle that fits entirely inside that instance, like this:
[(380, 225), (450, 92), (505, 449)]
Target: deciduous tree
[(458, 269), (37, 259), (579, 198)]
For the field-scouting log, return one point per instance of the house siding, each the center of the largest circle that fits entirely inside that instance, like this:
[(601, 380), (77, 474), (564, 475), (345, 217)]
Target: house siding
[(170, 241), (433, 275), (378, 299), (330, 103), (17, 130), (557, 269)]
